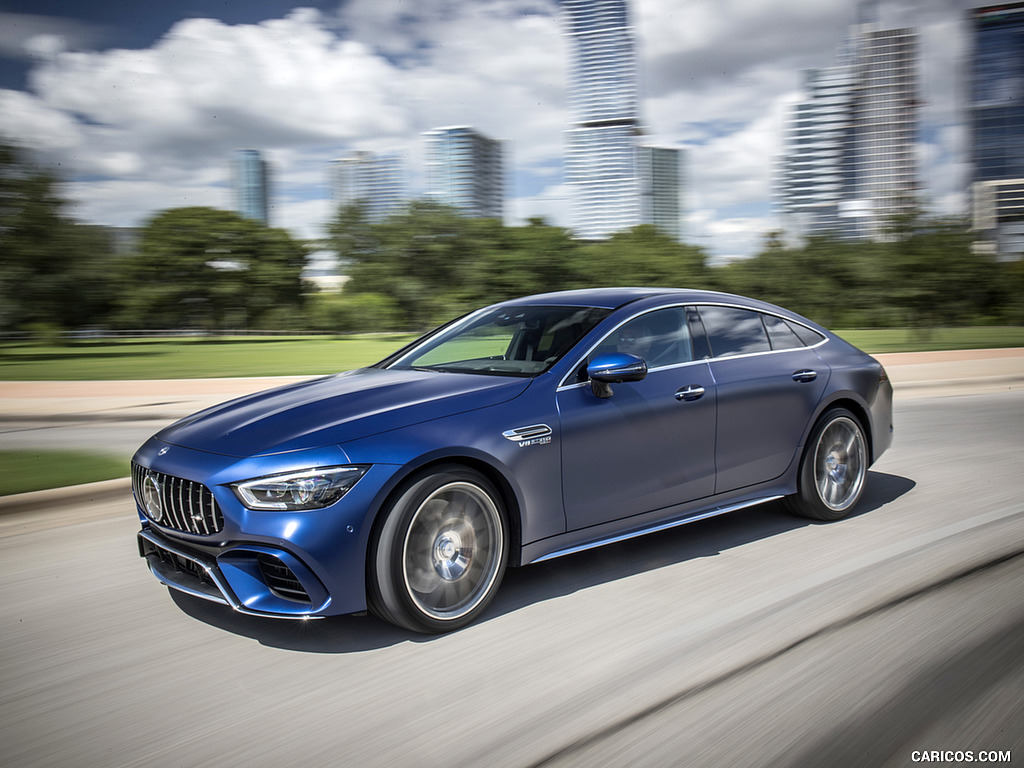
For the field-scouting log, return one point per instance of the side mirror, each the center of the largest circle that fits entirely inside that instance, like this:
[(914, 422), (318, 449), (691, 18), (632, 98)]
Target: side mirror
[(614, 368)]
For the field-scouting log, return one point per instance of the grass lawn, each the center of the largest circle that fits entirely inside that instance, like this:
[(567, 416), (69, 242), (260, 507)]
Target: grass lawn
[(36, 470), (191, 358), (194, 358), (917, 340)]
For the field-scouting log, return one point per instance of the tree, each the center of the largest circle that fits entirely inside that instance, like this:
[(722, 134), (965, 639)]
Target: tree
[(641, 256), (53, 271), (205, 268), (933, 274)]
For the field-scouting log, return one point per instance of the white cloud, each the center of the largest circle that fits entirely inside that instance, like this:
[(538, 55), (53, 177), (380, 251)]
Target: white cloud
[(157, 126)]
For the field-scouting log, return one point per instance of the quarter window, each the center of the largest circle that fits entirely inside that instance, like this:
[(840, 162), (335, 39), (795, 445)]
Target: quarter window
[(780, 334), (732, 331), (807, 336)]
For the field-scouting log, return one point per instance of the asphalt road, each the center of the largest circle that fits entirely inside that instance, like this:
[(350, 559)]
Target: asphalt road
[(749, 640)]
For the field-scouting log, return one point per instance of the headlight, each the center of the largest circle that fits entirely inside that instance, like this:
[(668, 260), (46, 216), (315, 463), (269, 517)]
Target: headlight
[(295, 491)]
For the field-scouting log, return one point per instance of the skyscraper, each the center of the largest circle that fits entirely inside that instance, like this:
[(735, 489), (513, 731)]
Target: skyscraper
[(250, 178), (660, 171), (601, 145), (374, 180), (996, 104), (465, 169), (848, 167)]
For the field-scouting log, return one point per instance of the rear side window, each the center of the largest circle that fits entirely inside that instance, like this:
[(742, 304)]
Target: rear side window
[(807, 336), (781, 334), (732, 331)]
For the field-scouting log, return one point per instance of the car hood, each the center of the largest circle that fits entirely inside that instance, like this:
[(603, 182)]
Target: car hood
[(336, 409)]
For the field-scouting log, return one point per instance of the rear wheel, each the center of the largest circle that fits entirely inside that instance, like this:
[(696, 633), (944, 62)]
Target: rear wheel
[(833, 468), (441, 551)]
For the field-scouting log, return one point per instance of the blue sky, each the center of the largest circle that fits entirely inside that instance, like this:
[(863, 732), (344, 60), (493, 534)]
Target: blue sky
[(138, 104)]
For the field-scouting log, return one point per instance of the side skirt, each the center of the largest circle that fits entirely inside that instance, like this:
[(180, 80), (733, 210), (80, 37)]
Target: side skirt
[(613, 538)]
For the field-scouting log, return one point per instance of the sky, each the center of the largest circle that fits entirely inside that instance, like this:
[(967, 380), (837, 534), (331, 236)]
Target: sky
[(138, 105)]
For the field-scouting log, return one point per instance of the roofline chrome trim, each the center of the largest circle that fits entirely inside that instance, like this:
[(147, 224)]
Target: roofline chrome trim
[(653, 529)]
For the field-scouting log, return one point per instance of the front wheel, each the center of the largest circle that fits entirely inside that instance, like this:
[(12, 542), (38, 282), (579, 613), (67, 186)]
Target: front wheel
[(833, 468), (441, 551)]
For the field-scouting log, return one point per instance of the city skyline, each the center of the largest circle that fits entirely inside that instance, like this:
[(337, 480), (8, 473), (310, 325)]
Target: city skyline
[(374, 179), (848, 166), (308, 85), (466, 170)]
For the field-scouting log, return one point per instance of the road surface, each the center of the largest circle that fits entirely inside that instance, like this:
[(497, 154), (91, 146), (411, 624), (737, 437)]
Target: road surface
[(748, 640)]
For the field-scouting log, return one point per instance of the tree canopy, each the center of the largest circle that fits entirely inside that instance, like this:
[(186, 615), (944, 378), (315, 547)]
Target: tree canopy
[(205, 268)]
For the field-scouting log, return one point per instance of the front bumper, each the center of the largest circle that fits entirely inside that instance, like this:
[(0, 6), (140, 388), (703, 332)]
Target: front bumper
[(252, 579)]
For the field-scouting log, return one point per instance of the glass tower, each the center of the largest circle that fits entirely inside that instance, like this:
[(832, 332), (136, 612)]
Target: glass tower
[(848, 167), (601, 165), (660, 172), (374, 180), (996, 105), (465, 169), (250, 178)]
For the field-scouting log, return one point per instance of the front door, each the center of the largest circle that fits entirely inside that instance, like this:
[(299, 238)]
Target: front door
[(652, 443)]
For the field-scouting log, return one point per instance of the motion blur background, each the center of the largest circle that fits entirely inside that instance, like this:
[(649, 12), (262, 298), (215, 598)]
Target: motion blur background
[(374, 166)]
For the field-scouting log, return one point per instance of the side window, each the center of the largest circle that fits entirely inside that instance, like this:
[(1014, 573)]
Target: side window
[(661, 338), (781, 335), (733, 331), (807, 336)]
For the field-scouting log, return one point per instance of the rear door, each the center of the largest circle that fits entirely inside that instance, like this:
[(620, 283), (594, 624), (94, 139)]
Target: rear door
[(768, 383)]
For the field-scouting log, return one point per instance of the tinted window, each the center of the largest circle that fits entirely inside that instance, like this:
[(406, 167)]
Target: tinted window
[(780, 334), (512, 341), (661, 338), (734, 331), (807, 336)]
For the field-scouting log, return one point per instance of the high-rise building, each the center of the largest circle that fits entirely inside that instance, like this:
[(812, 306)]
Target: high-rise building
[(848, 168), (250, 178), (996, 105), (660, 170), (374, 180), (601, 162), (465, 169)]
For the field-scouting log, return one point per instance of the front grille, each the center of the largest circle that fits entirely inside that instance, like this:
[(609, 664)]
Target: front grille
[(186, 506), (281, 580)]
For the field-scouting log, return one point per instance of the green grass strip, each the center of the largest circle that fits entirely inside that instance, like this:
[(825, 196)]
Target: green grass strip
[(37, 470), (222, 357)]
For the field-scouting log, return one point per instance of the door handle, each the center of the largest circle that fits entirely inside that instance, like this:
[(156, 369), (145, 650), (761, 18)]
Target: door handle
[(805, 376), (692, 392)]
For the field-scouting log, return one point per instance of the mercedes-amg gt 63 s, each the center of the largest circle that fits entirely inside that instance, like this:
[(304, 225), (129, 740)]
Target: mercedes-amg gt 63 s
[(518, 433)]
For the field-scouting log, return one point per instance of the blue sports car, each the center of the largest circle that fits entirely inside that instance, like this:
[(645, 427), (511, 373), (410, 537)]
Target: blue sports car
[(515, 434)]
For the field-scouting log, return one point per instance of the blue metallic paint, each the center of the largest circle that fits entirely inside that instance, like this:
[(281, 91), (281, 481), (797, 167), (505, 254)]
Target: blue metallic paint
[(682, 459)]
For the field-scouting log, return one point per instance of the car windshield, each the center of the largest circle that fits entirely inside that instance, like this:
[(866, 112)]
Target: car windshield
[(507, 341)]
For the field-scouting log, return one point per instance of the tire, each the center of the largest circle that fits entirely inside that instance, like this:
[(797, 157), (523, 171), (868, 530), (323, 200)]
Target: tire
[(440, 553), (833, 468)]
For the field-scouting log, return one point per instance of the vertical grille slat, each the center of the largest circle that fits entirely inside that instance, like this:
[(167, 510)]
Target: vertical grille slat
[(188, 506)]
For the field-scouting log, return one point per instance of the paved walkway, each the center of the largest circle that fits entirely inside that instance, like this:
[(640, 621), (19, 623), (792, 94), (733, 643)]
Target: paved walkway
[(913, 374)]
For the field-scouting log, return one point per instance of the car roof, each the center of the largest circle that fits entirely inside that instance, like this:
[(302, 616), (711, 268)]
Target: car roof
[(613, 298)]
